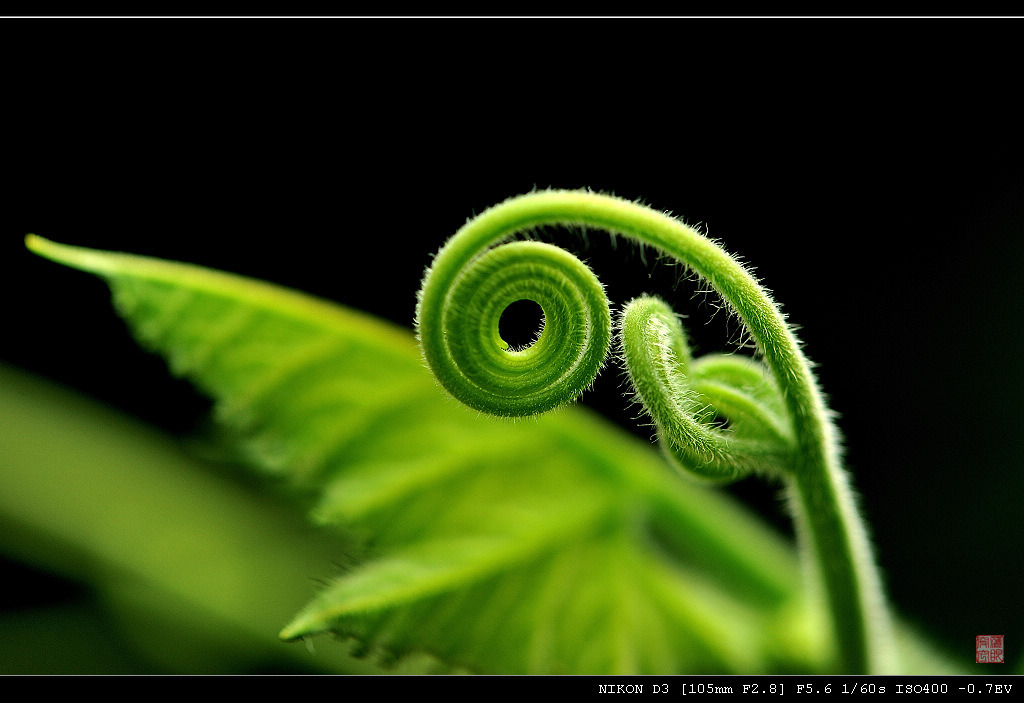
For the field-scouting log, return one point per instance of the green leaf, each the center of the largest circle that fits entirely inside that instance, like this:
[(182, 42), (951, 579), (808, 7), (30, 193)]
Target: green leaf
[(555, 545), (188, 572)]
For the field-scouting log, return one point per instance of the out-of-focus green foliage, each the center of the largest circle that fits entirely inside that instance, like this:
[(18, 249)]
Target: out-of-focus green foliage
[(198, 571)]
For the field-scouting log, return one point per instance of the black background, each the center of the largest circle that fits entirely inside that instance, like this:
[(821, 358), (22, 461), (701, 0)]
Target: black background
[(868, 170)]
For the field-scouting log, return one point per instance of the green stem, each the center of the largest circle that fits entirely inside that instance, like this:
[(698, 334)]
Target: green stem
[(832, 535)]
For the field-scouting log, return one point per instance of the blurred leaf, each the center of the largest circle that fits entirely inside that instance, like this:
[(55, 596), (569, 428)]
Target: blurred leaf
[(198, 572)]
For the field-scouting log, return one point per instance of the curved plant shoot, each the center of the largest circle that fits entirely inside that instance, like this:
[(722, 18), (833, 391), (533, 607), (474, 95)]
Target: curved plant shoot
[(778, 423)]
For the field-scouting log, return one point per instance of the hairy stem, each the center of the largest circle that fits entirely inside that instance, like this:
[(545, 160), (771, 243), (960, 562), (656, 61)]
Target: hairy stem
[(507, 383)]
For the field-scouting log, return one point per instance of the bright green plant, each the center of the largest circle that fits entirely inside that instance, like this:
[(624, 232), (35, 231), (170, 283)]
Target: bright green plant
[(558, 545), (780, 426)]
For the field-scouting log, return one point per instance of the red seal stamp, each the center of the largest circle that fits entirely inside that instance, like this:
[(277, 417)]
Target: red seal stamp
[(988, 649)]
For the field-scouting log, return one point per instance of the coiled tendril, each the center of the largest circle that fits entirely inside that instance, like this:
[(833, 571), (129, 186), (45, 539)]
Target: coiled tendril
[(475, 281), (720, 416), (477, 365)]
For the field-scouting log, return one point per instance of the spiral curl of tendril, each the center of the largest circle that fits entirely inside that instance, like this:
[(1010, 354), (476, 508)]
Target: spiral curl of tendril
[(719, 416), (478, 367)]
